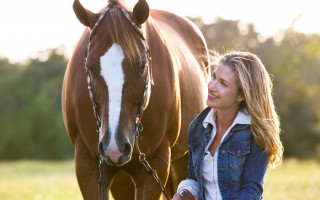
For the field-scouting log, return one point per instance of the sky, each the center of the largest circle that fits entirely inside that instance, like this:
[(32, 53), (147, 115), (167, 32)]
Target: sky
[(31, 26)]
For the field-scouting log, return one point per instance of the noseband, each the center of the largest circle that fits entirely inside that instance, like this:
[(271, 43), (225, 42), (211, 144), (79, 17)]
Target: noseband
[(142, 106)]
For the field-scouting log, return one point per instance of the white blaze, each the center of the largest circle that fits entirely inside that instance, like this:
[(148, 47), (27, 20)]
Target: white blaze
[(111, 71)]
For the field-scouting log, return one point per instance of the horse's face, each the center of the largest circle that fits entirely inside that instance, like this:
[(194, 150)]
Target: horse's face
[(117, 64)]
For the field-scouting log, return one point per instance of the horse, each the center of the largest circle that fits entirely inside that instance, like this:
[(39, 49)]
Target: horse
[(134, 82)]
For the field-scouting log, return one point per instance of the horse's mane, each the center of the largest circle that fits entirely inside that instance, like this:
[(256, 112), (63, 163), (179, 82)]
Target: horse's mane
[(120, 31)]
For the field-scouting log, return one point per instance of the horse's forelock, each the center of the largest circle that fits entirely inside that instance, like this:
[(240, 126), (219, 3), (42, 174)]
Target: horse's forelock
[(113, 1), (122, 32)]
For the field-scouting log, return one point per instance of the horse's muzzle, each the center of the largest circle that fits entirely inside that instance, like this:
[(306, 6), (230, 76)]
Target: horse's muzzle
[(115, 155)]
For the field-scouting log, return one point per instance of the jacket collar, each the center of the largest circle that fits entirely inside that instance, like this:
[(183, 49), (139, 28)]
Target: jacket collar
[(236, 127), (203, 115)]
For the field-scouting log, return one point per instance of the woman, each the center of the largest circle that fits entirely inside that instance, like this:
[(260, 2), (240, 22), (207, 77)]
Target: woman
[(232, 142)]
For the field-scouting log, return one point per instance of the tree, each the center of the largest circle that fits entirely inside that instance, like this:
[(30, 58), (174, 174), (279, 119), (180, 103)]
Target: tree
[(31, 120)]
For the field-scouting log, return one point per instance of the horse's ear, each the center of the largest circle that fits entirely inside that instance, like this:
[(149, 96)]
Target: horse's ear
[(86, 17), (141, 12)]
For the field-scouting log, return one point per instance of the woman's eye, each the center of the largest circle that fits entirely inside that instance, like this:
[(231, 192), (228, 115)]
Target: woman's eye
[(224, 84)]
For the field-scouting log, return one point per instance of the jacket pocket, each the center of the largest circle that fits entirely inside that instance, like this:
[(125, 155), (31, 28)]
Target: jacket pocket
[(237, 154)]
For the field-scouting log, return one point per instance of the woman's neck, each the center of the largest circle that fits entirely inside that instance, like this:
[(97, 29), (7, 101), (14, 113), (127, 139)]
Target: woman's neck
[(224, 118)]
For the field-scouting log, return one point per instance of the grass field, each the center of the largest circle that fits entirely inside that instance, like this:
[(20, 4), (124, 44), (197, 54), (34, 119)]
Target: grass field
[(38, 180), (293, 180)]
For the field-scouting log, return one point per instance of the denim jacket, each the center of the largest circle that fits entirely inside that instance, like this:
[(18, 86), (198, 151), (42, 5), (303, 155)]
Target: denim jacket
[(241, 163)]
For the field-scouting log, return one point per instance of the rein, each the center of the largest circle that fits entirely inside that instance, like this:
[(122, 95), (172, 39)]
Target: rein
[(138, 125)]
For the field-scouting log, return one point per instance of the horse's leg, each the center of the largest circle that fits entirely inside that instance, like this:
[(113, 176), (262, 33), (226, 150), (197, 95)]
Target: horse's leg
[(170, 186), (87, 170), (146, 187)]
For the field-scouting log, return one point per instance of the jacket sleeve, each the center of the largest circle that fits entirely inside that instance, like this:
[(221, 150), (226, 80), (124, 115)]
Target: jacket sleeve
[(254, 170), (191, 172)]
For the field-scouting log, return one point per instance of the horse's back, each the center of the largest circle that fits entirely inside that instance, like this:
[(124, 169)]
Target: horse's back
[(186, 29)]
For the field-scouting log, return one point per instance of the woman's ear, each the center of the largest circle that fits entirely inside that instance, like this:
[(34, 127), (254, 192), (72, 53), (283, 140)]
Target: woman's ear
[(240, 97), (140, 12)]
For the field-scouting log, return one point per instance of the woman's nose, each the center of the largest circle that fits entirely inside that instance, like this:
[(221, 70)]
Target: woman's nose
[(212, 84)]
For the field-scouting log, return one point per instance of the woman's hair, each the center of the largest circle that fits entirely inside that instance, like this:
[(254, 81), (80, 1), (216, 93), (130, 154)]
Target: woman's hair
[(256, 86)]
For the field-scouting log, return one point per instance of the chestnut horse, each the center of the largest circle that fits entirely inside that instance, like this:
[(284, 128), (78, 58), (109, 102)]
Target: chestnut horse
[(111, 81)]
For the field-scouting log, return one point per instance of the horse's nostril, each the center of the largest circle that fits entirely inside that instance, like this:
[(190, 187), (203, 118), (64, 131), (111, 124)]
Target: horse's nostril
[(127, 149), (101, 148)]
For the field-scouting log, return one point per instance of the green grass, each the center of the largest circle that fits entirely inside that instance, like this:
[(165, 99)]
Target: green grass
[(38, 180), (294, 180)]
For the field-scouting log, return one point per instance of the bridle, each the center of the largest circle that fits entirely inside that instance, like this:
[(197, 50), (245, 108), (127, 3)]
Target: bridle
[(141, 108), (147, 77)]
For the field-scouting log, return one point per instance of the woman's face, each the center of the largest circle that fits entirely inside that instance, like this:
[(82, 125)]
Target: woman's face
[(223, 91)]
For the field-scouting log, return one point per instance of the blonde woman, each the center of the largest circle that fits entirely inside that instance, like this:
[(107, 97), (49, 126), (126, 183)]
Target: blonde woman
[(234, 140)]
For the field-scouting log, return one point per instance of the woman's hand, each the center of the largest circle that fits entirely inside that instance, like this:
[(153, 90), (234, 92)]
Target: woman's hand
[(183, 195)]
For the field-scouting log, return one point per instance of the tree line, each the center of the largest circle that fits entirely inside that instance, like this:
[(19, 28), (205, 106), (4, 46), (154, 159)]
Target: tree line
[(31, 124)]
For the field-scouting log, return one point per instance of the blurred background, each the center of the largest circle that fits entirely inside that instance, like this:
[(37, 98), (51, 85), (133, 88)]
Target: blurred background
[(36, 41)]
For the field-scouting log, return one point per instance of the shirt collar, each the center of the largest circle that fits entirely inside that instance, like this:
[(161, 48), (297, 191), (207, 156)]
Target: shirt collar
[(209, 119), (242, 118)]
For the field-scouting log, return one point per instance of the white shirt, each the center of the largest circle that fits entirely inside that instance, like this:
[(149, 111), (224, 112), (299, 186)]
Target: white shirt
[(209, 171)]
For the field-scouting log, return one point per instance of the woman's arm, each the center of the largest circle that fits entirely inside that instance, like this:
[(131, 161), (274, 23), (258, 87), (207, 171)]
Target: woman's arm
[(190, 185), (188, 189), (254, 170), (183, 195)]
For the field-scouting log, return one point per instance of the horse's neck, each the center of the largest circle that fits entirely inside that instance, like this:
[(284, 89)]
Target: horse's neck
[(152, 30)]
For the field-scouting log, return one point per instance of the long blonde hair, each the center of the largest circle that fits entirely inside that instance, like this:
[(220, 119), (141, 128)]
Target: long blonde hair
[(256, 86)]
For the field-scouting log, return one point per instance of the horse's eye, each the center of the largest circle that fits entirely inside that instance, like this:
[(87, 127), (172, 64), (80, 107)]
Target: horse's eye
[(141, 66), (91, 74), (144, 65)]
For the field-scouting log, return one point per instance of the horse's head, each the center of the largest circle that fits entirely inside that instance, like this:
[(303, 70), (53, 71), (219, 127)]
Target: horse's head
[(117, 64)]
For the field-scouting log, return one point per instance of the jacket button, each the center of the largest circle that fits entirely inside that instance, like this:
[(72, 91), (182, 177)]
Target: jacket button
[(225, 189), (239, 152), (222, 169), (223, 152)]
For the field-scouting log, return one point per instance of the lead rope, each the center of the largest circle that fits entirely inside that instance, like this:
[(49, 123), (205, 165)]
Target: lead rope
[(144, 162), (102, 180)]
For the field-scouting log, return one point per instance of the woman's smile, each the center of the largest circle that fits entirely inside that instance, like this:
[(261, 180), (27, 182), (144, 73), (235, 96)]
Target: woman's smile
[(212, 97)]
